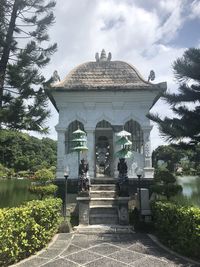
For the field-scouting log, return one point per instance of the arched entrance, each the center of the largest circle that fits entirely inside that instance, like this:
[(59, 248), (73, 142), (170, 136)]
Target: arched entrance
[(136, 137), (104, 149)]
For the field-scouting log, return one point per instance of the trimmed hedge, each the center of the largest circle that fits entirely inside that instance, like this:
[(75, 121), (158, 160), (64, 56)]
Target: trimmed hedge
[(178, 227), (43, 190), (27, 229)]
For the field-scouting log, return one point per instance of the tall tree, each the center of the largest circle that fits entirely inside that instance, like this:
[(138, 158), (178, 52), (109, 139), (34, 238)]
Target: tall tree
[(169, 154), (24, 50), (186, 103)]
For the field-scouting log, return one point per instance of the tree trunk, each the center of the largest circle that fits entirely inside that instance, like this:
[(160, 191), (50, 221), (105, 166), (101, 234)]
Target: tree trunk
[(6, 50)]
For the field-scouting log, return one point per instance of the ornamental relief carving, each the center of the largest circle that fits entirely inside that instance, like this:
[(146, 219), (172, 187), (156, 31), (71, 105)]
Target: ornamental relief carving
[(147, 149)]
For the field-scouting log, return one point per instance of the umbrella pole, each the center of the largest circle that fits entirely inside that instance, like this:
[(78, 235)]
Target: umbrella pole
[(78, 162)]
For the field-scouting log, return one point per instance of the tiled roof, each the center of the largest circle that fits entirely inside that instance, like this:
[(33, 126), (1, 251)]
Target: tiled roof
[(104, 75)]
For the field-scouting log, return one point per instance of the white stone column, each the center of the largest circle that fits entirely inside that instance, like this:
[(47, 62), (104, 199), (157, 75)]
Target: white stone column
[(91, 150), (148, 170), (60, 153), (116, 129)]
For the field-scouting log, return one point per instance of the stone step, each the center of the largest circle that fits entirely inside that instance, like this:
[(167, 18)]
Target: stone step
[(96, 201), (103, 194), (104, 210), (103, 181), (103, 229), (104, 187), (104, 219)]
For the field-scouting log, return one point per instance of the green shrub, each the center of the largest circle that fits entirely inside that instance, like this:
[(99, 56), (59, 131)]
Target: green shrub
[(6, 172), (43, 187), (27, 229), (24, 174), (44, 175), (165, 183), (178, 227), (43, 190)]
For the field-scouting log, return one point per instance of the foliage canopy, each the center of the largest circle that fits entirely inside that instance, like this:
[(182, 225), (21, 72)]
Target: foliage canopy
[(23, 152), (185, 104), (24, 51)]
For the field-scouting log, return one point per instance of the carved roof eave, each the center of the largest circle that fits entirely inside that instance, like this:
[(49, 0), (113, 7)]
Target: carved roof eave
[(159, 87), (79, 88), (162, 89)]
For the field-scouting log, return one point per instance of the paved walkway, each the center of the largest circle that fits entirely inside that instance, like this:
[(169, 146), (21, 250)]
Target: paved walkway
[(104, 250)]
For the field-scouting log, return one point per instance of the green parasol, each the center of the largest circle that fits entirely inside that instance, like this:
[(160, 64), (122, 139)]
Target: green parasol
[(123, 133), (123, 141), (123, 153), (79, 143), (125, 144)]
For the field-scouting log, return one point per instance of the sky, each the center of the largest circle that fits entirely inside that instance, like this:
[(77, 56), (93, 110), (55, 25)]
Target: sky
[(149, 34)]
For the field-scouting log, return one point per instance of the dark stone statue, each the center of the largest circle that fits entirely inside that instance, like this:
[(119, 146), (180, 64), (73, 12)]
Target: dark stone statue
[(122, 178), (122, 168), (83, 179)]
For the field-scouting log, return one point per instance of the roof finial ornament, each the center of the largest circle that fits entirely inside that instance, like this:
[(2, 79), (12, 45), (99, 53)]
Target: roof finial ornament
[(103, 55)]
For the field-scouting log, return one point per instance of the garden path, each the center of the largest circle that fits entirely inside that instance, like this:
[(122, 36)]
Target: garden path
[(104, 250)]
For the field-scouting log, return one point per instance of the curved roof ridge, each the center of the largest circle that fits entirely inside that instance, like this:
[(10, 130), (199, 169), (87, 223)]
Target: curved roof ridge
[(137, 72), (70, 72), (104, 75)]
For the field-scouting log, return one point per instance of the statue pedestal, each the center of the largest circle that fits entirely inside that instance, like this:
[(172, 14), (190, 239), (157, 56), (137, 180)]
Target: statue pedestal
[(148, 172), (123, 210), (84, 210)]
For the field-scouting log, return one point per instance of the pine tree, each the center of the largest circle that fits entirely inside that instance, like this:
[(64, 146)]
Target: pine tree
[(24, 51), (185, 104)]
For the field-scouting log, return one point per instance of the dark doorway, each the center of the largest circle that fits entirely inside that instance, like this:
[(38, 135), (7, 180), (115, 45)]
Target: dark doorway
[(104, 149)]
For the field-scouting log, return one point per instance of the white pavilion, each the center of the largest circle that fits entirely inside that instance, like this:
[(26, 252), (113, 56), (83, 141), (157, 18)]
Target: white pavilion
[(103, 97)]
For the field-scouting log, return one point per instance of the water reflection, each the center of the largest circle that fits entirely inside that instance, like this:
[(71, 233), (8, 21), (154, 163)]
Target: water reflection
[(14, 192), (191, 188)]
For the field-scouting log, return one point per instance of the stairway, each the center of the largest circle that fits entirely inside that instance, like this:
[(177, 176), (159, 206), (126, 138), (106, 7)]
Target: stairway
[(103, 202)]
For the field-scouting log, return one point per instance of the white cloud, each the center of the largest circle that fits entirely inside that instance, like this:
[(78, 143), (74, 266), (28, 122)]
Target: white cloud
[(128, 29), (195, 9)]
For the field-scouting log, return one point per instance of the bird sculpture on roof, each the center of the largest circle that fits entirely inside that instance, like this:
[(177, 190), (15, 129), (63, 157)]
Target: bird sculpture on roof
[(97, 57), (109, 56), (56, 77), (151, 76)]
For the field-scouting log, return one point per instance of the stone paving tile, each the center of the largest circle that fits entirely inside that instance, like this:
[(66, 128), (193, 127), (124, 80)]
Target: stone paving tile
[(127, 240), (126, 256), (141, 248), (82, 257), (71, 249), (37, 261), (60, 263), (106, 262), (60, 244), (50, 253), (63, 236), (150, 261), (110, 238), (85, 241), (104, 249), (124, 244)]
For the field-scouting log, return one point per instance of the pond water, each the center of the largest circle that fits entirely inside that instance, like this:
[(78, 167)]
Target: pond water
[(14, 192), (191, 189)]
